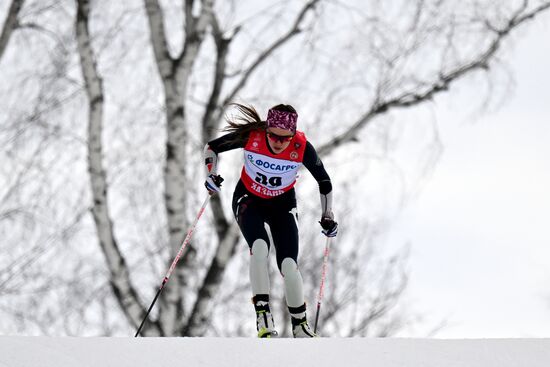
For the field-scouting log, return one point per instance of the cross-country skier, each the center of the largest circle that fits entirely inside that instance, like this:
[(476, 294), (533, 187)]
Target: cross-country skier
[(273, 152)]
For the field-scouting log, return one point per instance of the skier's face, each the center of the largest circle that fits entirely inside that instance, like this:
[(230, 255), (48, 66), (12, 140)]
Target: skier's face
[(278, 139)]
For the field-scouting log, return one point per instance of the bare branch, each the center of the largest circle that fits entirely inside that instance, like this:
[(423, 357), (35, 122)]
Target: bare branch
[(209, 120), (37, 27), (194, 36), (222, 47), (262, 57), (158, 38), (38, 251), (416, 97), (10, 24)]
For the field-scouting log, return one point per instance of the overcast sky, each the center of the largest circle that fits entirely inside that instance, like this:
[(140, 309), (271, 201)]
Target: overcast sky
[(480, 228)]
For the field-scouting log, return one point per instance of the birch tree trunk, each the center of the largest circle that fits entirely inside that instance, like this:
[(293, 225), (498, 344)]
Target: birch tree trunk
[(175, 73), (121, 284)]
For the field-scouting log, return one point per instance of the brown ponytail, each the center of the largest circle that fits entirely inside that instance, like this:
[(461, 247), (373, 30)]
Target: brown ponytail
[(249, 120)]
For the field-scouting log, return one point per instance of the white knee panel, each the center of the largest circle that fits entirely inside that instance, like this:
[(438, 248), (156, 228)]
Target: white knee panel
[(259, 272), (294, 290)]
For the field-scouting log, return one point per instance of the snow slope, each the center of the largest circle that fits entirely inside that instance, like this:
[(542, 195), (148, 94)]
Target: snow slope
[(226, 352)]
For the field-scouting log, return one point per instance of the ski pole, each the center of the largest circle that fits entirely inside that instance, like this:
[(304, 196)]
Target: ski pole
[(322, 288), (174, 263)]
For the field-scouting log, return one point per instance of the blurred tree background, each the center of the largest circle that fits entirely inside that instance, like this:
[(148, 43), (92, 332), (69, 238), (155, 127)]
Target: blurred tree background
[(105, 107)]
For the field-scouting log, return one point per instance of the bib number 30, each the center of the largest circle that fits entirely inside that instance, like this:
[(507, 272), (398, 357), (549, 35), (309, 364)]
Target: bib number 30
[(271, 181)]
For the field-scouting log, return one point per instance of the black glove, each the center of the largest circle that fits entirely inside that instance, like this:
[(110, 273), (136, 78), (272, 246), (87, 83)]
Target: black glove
[(213, 183), (330, 227)]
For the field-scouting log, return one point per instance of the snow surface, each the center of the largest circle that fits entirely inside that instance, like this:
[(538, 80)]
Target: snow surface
[(228, 352)]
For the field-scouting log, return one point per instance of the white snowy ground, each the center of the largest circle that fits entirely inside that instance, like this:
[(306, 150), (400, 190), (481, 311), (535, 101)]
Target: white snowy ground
[(227, 352)]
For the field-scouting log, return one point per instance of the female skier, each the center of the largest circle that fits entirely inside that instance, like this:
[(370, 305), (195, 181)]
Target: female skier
[(273, 152)]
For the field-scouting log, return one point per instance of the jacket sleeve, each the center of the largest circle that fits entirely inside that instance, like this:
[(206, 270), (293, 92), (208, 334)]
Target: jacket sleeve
[(315, 166), (214, 147)]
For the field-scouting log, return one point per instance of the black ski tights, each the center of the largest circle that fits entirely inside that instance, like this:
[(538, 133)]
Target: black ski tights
[(251, 212)]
